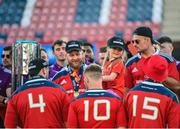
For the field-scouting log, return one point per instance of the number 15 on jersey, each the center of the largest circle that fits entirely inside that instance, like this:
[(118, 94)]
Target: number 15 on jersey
[(146, 106)]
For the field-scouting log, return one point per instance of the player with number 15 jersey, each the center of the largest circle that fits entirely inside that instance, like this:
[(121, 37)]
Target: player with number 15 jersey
[(96, 109), (150, 104)]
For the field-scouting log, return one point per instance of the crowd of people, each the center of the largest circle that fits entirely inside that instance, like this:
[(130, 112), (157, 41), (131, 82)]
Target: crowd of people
[(117, 91)]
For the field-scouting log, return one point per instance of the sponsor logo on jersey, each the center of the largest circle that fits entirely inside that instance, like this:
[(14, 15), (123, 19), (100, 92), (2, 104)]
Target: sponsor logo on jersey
[(63, 82), (134, 70)]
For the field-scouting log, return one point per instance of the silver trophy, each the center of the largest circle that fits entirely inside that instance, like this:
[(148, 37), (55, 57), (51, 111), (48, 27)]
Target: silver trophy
[(22, 53)]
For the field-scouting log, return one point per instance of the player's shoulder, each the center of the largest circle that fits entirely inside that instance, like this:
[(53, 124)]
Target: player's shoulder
[(5, 70), (153, 87), (61, 73), (133, 59), (118, 62), (36, 83), (97, 94), (166, 56)]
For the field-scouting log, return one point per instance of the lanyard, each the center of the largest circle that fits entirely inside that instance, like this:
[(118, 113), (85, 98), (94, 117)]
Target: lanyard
[(76, 84)]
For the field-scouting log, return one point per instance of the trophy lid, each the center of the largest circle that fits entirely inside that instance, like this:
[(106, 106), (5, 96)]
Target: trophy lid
[(26, 41)]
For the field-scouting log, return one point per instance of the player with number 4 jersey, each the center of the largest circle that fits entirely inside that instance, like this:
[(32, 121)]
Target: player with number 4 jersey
[(38, 103), (96, 108), (150, 104)]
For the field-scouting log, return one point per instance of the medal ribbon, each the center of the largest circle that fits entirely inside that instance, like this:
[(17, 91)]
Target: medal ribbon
[(76, 78)]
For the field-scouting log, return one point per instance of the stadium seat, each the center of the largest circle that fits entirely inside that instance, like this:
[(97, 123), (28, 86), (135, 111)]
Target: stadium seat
[(75, 18), (39, 35), (7, 8), (139, 10), (88, 11), (3, 35)]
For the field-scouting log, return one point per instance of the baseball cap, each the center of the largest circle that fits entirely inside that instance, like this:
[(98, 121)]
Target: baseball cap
[(36, 65), (144, 31), (73, 45), (116, 42), (156, 68)]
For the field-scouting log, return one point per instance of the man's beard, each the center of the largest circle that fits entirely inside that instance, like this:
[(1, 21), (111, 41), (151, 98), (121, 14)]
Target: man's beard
[(62, 60), (76, 67)]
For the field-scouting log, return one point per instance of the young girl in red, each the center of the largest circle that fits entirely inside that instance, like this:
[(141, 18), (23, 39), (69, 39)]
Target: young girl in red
[(113, 69)]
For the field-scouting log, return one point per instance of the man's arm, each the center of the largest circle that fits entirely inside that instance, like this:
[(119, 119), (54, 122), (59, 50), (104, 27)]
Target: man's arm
[(110, 77), (173, 80), (4, 99), (10, 118), (172, 84)]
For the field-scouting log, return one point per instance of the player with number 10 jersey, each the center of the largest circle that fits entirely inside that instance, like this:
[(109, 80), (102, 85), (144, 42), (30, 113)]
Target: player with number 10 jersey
[(96, 109)]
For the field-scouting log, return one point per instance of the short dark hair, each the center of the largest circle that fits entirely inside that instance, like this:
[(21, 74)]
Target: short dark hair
[(42, 49), (57, 42), (8, 48), (144, 31), (164, 39), (87, 44)]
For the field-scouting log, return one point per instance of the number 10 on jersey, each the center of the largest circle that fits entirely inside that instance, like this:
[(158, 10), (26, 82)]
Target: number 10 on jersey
[(95, 110)]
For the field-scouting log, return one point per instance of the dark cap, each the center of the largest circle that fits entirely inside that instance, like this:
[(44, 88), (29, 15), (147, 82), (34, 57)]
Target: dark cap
[(36, 65), (144, 31), (73, 45), (116, 42)]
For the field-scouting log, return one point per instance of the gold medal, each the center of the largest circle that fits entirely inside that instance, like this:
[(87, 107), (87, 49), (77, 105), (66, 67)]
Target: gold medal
[(76, 93)]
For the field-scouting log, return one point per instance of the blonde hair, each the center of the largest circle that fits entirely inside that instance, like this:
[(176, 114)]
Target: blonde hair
[(124, 56), (94, 71)]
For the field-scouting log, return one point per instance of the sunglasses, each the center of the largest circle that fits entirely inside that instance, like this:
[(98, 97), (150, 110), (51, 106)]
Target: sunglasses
[(3, 56), (135, 41)]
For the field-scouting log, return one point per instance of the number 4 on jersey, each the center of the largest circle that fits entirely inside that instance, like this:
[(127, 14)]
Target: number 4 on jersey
[(40, 105)]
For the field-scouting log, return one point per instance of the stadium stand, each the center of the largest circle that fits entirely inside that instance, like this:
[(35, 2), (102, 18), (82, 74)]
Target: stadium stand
[(88, 11), (11, 11), (139, 10), (96, 20)]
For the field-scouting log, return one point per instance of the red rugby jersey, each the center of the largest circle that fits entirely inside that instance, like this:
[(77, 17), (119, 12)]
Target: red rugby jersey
[(37, 104), (63, 78), (152, 105), (96, 109), (134, 73)]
